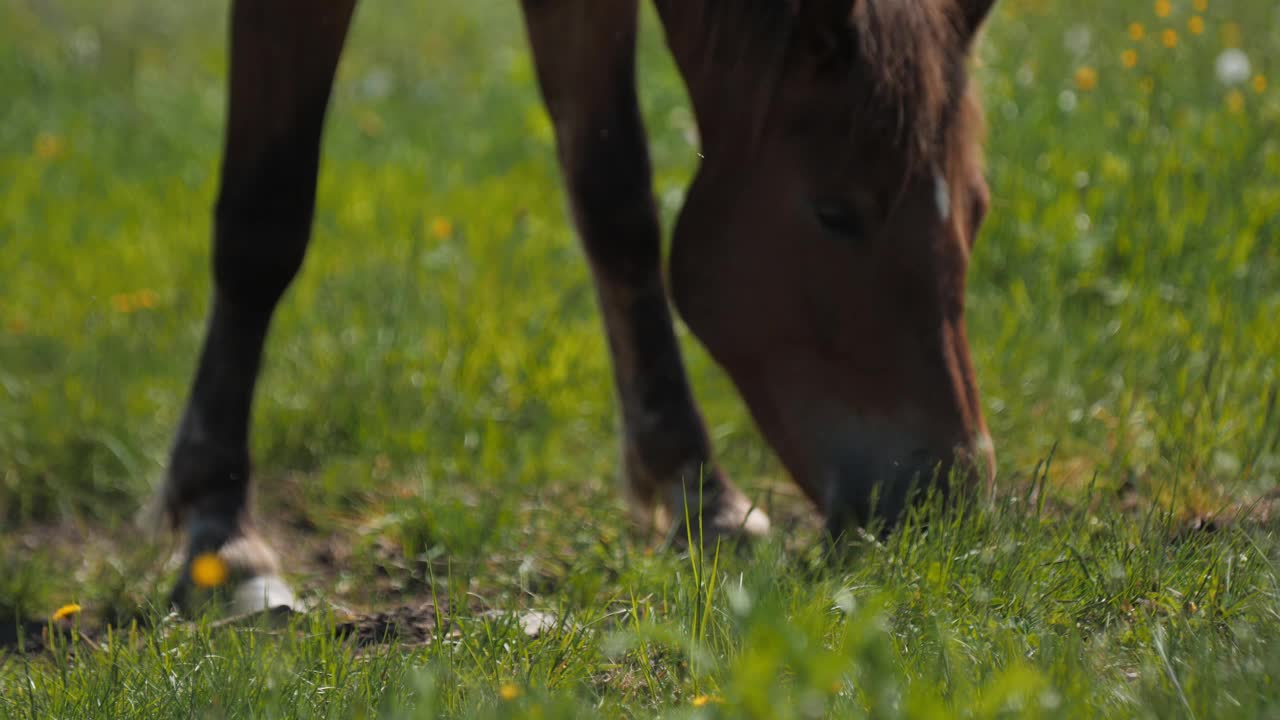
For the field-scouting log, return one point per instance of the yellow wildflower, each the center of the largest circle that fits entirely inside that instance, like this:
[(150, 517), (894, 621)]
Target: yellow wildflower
[(122, 303), (17, 326), (370, 123), (1235, 102), (704, 699), (1086, 78), (66, 611), (1200, 5), (208, 570), (49, 146), (1136, 31), (1169, 38), (441, 228), (1163, 8), (509, 691), (1195, 24), (145, 299), (1259, 84), (1129, 58)]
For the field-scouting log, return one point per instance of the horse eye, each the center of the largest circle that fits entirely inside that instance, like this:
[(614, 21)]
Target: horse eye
[(840, 219)]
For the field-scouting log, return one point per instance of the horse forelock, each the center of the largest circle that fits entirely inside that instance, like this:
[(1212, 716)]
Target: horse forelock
[(905, 61), (913, 56)]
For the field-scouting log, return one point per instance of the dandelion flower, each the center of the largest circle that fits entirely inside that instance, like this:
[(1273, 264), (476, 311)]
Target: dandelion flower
[(145, 299), (441, 228), (208, 570), (705, 699), (1235, 102), (370, 123), (17, 326), (65, 611), (509, 691), (1195, 24), (1086, 78), (1169, 38), (1200, 5), (1259, 84), (1163, 8), (49, 146), (1129, 58), (1232, 67), (121, 303), (1137, 31)]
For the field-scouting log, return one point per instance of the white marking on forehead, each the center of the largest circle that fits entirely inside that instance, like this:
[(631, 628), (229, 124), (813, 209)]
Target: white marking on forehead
[(942, 195)]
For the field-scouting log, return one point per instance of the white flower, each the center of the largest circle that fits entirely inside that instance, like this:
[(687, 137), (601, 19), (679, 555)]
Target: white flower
[(85, 43), (1078, 38), (378, 83), (1232, 67)]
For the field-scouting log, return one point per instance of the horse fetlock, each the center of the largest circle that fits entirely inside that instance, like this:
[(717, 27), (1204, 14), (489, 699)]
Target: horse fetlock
[(659, 444), (204, 479), (230, 566), (702, 503), (694, 490)]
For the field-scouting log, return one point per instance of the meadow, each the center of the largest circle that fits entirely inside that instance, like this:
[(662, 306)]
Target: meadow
[(436, 427)]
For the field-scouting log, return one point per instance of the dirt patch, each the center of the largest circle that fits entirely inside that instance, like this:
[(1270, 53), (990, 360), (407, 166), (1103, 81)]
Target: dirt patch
[(405, 625), (32, 637)]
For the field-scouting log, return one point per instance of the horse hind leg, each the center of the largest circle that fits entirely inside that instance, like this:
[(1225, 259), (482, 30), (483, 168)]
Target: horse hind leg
[(283, 57), (584, 51)]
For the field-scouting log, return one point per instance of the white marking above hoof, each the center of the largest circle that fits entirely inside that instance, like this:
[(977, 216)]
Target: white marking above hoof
[(264, 592), (757, 524)]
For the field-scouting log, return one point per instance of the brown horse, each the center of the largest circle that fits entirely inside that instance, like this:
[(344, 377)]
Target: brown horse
[(820, 256)]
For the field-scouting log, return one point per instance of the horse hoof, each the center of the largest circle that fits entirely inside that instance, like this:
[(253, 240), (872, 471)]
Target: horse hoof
[(720, 512), (257, 594), (231, 568), (745, 520), (735, 519)]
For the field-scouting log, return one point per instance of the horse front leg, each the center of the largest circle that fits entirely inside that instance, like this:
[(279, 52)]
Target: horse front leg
[(283, 57), (585, 56)]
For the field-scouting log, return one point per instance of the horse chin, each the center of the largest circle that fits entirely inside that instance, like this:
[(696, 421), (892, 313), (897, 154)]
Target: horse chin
[(865, 468)]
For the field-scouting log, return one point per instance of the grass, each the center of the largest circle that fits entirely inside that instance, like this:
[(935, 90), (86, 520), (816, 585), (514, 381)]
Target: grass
[(436, 424)]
